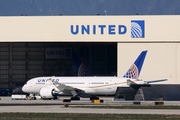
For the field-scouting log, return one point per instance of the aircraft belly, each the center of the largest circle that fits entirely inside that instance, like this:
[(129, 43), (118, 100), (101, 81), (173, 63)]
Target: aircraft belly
[(89, 91), (103, 90), (107, 90)]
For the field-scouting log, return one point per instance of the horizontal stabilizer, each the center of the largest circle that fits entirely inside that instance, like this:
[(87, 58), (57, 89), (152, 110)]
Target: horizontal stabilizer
[(136, 86), (129, 82), (156, 81)]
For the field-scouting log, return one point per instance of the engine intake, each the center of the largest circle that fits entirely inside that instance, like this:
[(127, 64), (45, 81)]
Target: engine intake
[(47, 92)]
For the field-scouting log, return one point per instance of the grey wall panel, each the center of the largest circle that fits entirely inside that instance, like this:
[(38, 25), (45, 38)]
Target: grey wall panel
[(4, 86), (19, 54), (19, 67), (35, 54), (34, 72), (4, 54), (4, 72), (3, 67), (19, 48), (18, 72), (19, 76)]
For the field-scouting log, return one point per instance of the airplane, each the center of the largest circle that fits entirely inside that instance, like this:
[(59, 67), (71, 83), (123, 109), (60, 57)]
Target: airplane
[(51, 87)]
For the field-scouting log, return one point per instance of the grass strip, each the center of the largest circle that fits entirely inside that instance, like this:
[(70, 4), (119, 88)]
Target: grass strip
[(130, 107), (73, 116)]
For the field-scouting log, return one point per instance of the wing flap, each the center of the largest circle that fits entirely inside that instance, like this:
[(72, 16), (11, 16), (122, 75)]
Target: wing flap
[(61, 86)]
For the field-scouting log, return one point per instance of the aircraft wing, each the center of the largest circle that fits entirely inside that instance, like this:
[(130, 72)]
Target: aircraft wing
[(153, 81), (61, 86)]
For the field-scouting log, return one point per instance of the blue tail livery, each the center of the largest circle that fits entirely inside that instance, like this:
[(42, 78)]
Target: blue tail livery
[(135, 69), (81, 69)]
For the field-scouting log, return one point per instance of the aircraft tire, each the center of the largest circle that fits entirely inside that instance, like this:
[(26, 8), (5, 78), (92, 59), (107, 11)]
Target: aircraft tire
[(75, 98), (67, 100), (94, 98)]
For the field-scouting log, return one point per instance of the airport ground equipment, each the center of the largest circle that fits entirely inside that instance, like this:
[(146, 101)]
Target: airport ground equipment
[(4, 92), (97, 101), (160, 92), (66, 105), (125, 93), (129, 93), (18, 97), (154, 92), (158, 103)]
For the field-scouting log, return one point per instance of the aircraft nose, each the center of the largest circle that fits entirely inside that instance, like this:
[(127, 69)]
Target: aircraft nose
[(23, 88)]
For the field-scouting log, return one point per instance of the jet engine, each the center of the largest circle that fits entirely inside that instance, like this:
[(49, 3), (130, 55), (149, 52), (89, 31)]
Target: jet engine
[(48, 93)]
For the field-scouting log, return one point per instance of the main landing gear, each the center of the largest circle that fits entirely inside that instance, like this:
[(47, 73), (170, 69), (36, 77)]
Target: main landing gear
[(78, 98), (72, 98), (94, 98), (75, 98), (31, 97)]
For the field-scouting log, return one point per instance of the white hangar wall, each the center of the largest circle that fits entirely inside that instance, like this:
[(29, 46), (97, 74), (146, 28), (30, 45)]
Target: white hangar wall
[(98, 28), (161, 38), (162, 60)]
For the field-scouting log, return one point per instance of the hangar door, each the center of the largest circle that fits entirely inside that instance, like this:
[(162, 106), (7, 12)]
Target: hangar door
[(20, 62)]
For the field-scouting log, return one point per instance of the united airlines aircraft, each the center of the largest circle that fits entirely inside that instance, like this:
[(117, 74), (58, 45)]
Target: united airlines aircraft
[(51, 87)]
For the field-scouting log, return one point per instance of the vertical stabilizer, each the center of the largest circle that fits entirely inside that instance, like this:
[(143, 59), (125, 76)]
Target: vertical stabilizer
[(81, 69), (135, 69)]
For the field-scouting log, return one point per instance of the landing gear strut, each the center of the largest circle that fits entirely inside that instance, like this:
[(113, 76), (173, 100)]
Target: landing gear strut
[(31, 97)]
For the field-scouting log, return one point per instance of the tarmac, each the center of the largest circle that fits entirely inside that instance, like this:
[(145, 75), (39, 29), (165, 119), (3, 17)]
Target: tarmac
[(61, 109), (58, 106)]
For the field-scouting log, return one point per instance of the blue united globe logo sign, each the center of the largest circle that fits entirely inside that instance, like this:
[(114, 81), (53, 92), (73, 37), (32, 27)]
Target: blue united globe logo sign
[(137, 29)]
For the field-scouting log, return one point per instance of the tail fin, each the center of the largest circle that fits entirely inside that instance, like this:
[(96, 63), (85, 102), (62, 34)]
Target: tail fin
[(135, 69), (81, 69)]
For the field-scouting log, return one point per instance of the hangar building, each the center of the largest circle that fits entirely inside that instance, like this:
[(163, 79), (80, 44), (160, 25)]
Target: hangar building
[(32, 46)]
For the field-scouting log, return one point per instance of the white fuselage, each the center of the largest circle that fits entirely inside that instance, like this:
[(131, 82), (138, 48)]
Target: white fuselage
[(90, 85)]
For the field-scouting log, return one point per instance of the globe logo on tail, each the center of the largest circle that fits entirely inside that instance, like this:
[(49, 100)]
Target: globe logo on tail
[(132, 72), (83, 71), (137, 29)]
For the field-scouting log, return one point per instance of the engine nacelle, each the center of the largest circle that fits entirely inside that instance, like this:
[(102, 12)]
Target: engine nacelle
[(47, 92)]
